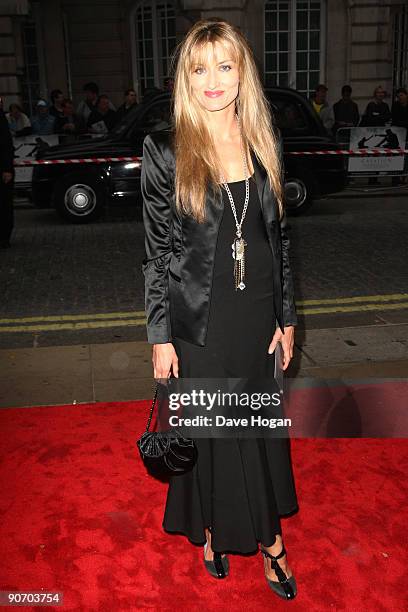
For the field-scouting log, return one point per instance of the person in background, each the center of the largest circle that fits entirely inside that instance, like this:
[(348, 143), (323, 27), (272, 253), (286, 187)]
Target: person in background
[(102, 119), (129, 103), (168, 84), (151, 92), (43, 124), (345, 111), (19, 123), (399, 109), (377, 112), (159, 118), (86, 106), (322, 107), (70, 122), (399, 113), (56, 103), (6, 181)]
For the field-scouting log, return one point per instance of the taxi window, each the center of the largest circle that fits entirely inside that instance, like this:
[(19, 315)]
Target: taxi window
[(157, 117), (289, 115)]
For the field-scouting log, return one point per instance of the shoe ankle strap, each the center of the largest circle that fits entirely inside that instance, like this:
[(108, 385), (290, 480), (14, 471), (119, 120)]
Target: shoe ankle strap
[(274, 557)]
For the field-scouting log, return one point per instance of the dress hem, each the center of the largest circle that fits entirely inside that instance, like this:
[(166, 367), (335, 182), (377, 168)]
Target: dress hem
[(229, 551)]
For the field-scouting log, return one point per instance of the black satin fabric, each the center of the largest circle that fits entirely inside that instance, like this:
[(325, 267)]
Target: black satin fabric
[(180, 252), (238, 486)]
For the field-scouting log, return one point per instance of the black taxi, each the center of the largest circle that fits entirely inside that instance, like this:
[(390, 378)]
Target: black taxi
[(80, 191)]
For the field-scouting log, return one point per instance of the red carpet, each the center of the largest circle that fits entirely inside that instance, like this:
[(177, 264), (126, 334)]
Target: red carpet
[(79, 515)]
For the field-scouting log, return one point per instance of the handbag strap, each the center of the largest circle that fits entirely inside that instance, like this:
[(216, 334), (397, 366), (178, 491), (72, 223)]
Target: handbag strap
[(149, 420)]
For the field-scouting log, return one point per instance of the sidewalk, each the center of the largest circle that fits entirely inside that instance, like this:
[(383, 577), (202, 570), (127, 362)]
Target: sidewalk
[(122, 371)]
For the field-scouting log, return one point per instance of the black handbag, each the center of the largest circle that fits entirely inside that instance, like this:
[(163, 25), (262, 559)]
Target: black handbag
[(166, 453)]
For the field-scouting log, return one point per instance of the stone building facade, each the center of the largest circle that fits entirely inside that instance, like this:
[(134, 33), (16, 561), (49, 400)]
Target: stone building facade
[(47, 44)]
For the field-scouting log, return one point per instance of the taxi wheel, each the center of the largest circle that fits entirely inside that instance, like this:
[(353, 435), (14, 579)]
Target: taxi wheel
[(79, 198), (298, 195)]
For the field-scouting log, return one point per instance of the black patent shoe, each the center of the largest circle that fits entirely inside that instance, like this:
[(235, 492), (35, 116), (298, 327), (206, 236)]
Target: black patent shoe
[(219, 567), (286, 587)]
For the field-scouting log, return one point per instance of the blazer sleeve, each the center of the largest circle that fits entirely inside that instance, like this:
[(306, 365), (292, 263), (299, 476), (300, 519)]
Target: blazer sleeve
[(288, 293), (156, 193)]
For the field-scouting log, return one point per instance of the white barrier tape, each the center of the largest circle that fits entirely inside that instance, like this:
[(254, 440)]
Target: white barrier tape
[(103, 160), (352, 152), (85, 160)]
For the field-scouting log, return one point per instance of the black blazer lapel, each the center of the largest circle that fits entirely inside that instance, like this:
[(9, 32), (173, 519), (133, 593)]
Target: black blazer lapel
[(266, 195), (260, 175)]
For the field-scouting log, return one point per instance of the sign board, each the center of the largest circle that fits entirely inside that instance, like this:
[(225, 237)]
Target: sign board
[(388, 137), (377, 138), (25, 147)]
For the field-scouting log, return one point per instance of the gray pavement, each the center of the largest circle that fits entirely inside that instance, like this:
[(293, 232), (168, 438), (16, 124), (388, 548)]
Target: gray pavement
[(122, 371), (72, 318)]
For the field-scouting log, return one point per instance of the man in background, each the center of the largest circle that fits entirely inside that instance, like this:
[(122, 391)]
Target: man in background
[(322, 108), (86, 106), (102, 119), (57, 98), (129, 103), (399, 109), (376, 114), (6, 181), (42, 123), (399, 113), (346, 113), (70, 122)]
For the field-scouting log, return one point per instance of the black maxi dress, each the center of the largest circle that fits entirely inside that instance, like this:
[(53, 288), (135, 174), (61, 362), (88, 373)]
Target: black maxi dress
[(238, 487)]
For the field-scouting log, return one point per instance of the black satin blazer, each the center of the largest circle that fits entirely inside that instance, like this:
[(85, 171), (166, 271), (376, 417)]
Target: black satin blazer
[(180, 252)]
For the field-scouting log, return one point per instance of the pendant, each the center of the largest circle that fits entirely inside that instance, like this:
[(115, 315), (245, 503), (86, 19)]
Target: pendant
[(238, 248), (238, 254)]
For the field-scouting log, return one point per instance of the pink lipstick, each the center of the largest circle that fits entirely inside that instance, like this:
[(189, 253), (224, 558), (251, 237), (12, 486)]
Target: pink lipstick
[(213, 94)]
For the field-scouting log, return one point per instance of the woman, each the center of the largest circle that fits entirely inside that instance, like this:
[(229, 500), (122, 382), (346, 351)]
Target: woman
[(19, 123), (206, 315), (377, 112)]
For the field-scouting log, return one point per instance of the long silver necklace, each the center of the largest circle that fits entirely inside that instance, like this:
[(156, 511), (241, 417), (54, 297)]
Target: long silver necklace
[(239, 244)]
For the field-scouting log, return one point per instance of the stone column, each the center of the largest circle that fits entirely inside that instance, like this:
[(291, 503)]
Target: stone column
[(52, 33), (371, 39)]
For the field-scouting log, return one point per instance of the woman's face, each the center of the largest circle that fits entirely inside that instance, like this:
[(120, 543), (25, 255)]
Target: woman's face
[(215, 83)]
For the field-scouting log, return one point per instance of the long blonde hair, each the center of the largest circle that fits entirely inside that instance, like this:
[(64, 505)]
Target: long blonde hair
[(197, 163)]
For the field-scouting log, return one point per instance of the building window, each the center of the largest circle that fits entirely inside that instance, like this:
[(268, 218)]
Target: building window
[(153, 40), (294, 43), (400, 71)]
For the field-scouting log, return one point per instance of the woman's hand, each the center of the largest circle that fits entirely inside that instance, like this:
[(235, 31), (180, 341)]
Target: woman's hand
[(287, 341), (164, 360)]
